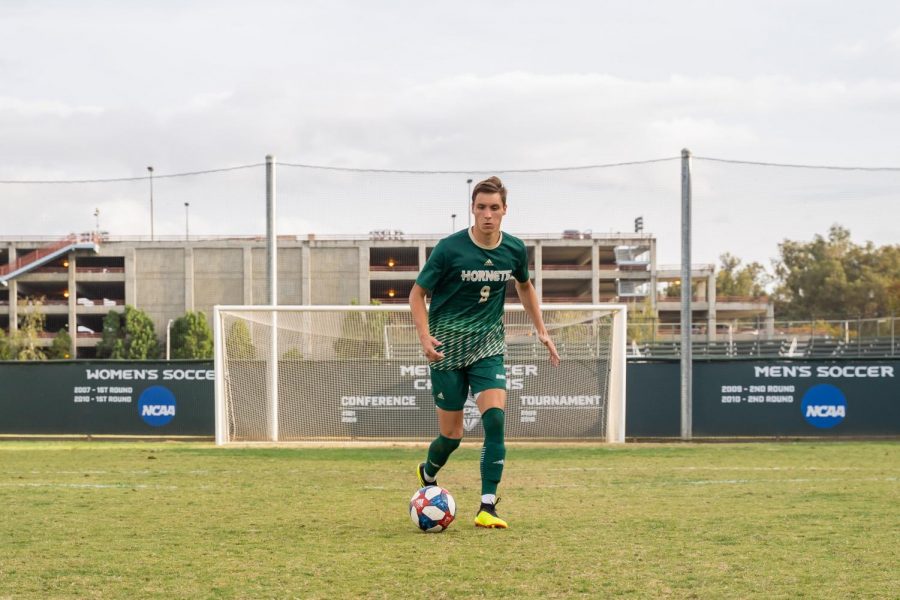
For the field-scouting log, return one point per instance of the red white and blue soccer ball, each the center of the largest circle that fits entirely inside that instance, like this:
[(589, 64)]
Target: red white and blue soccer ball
[(432, 509)]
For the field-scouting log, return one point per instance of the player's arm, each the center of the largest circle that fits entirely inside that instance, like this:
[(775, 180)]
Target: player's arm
[(420, 318), (528, 297)]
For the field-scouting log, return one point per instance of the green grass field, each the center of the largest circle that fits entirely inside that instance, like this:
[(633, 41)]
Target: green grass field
[(765, 520)]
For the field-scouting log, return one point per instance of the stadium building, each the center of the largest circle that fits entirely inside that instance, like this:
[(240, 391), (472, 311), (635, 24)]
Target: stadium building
[(81, 278)]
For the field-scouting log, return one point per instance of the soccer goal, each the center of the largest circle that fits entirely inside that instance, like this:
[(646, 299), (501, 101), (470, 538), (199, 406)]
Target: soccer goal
[(344, 373)]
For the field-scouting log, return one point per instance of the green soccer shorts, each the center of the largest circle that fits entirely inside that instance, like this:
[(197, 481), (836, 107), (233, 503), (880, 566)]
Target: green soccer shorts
[(451, 388)]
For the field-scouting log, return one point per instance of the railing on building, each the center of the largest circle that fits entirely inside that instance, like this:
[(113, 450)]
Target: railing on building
[(38, 254), (768, 338), (80, 269)]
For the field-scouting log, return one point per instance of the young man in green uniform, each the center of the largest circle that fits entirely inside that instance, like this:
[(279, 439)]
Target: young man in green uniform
[(463, 338)]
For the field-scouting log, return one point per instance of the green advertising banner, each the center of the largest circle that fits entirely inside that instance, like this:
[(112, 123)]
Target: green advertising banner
[(797, 398), (107, 398), (653, 400), (731, 399), (771, 398)]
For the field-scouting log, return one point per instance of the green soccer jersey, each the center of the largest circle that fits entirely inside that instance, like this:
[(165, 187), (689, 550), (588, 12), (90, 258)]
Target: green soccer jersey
[(468, 286)]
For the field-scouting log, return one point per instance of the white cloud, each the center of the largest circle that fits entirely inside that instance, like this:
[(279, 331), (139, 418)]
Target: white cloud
[(207, 100), (44, 108), (593, 85), (856, 49), (894, 38)]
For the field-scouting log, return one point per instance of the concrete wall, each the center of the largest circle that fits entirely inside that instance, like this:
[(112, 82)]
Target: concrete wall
[(158, 281), (335, 276), (218, 277), (290, 276)]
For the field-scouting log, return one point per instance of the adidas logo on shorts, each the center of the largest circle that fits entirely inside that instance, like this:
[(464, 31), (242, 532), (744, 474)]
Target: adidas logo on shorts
[(441, 395)]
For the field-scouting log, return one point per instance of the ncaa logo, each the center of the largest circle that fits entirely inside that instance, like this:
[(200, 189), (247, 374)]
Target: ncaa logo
[(824, 406), (157, 406)]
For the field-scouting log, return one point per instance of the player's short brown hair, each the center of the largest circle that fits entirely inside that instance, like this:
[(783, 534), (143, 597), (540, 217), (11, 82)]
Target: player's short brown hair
[(491, 185)]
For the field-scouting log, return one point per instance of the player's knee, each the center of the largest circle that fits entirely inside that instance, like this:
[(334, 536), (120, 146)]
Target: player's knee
[(448, 444), (452, 431)]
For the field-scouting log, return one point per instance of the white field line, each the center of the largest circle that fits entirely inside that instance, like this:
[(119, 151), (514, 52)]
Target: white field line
[(95, 486), (792, 468), (796, 480), (125, 472), (716, 482), (632, 468), (85, 472), (624, 469)]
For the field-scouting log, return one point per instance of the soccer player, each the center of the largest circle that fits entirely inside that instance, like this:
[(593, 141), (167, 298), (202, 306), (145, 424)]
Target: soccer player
[(463, 338)]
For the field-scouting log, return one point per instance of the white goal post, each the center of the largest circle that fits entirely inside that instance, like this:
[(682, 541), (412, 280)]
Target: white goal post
[(345, 373)]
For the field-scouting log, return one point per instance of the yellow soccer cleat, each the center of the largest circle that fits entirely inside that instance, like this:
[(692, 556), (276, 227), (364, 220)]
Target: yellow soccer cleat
[(420, 475), (487, 518)]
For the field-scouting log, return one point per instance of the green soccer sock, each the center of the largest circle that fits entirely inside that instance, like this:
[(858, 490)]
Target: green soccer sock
[(438, 453), (493, 453)]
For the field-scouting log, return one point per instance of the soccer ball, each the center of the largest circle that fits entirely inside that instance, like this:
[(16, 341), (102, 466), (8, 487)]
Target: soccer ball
[(432, 509)]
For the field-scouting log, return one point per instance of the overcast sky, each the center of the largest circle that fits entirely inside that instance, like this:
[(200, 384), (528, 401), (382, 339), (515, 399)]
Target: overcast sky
[(94, 89)]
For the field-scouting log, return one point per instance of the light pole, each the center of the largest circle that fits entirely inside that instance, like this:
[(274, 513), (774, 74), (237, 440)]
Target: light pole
[(150, 169), (97, 216), (187, 230), (469, 201), (452, 223), (168, 337)]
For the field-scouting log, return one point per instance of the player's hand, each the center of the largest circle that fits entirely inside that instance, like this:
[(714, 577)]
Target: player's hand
[(429, 346), (551, 348)]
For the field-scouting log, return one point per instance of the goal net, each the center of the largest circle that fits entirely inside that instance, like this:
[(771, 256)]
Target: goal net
[(343, 373)]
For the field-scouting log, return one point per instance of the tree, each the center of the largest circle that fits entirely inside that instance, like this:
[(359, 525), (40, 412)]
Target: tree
[(110, 340), (673, 290), (641, 323), (61, 348), (238, 343), (747, 281), (192, 337), (832, 276), (31, 326), (362, 334), (292, 355), (6, 350), (128, 335)]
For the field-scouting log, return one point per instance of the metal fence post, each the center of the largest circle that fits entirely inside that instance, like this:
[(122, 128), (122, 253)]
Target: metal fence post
[(272, 273), (686, 316)]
